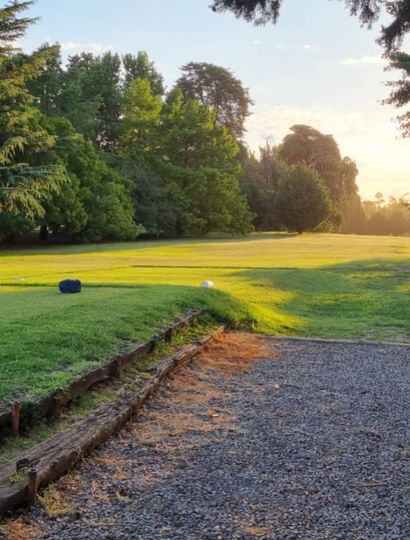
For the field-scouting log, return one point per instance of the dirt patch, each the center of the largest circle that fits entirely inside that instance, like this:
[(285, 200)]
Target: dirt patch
[(191, 414), (254, 530), (19, 529), (169, 426), (54, 502), (235, 352), (193, 386), (194, 404)]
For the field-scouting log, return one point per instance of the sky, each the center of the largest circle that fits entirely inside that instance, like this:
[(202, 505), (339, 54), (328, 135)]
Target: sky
[(317, 66)]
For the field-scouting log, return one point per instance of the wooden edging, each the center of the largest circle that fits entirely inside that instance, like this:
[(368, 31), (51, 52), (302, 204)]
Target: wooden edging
[(53, 457), (337, 341), (49, 405)]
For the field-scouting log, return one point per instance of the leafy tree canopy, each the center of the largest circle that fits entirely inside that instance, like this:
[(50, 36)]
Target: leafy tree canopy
[(12, 25), (90, 91), (263, 11), (199, 160), (259, 181), (220, 90), (22, 186), (141, 67), (95, 204), (400, 89), (141, 113), (308, 145), (302, 201)]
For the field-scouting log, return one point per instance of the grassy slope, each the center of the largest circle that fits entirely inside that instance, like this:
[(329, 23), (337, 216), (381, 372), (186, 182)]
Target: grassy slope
[(319, 285)]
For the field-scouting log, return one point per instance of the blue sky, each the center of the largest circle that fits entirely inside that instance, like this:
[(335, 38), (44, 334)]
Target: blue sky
[(316, 66)]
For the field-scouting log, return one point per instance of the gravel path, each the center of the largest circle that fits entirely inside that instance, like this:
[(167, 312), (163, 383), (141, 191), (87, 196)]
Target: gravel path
[(312, 442)]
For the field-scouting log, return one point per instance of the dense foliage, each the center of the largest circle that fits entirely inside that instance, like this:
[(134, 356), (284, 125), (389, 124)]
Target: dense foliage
[(320, 151), (304, 145), (302, 201), (390, 217), (23, 186), (94, 148), (217, 88), (400, 89)]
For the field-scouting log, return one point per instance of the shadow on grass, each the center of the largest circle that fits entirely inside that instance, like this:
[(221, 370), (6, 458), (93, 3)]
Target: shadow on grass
[(72, 249), (47, 338), (366, 299)]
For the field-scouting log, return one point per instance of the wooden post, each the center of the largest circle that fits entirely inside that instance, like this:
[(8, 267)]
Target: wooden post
[(32, 486), (15, 418), (118, 368), (138, 404)]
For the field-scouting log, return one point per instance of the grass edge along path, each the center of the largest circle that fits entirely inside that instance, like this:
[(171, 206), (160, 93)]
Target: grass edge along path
[(51, 404), (131, 379), (55, 455)]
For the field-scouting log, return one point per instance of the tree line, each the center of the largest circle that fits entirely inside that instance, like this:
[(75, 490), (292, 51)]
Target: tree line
[(388, 217), (96, 149), (303, 184)]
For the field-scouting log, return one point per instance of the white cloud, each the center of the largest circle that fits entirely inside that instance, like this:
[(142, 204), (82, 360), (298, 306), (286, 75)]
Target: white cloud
[(307, 46), (90, 47), (373, 142), (278, 120), (369, 60)]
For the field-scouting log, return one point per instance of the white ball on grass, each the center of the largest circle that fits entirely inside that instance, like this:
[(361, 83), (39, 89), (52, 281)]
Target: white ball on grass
[(207, 284)]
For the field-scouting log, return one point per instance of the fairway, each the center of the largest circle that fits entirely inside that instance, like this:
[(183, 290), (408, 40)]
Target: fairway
[(321, 285)]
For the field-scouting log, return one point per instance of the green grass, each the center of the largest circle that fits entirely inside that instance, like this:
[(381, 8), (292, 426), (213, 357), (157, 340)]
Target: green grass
[(311, 285), (132, 379)]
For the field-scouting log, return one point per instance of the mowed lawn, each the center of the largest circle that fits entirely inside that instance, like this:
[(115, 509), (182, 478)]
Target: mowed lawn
[(324, 285)]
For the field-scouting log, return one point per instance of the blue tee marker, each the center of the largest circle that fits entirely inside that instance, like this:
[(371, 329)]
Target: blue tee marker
[(70, 286)]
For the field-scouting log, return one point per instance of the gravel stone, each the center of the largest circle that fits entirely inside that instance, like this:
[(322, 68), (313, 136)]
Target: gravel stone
[(312, 443)]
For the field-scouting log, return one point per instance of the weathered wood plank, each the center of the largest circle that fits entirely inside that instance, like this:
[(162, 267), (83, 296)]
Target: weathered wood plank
[(56, 455), (51, 404)]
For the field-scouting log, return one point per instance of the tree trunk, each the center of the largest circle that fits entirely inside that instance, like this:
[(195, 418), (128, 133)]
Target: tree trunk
[(43, 234)]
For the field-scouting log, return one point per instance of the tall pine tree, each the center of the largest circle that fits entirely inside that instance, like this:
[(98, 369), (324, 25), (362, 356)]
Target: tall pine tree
[(23, 188)]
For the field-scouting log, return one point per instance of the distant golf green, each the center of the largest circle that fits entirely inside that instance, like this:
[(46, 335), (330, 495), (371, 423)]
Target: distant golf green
[(323, 285)]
